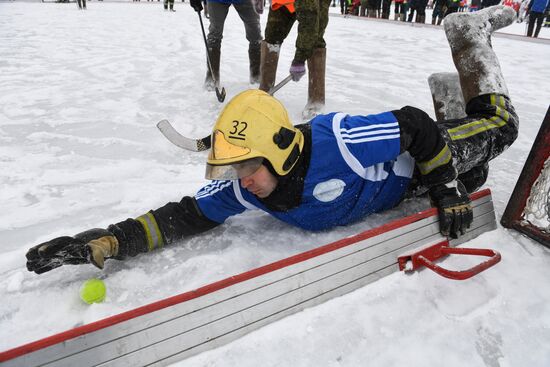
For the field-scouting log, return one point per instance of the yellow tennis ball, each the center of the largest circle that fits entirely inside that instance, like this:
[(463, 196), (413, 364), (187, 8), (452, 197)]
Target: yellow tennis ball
[(93, 291)]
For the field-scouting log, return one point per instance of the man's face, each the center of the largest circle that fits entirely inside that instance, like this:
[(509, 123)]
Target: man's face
[(261, 183)]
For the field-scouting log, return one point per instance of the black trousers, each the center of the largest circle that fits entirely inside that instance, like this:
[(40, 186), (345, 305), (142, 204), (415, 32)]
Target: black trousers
[(343, 6), (537, 18), (491, 126)]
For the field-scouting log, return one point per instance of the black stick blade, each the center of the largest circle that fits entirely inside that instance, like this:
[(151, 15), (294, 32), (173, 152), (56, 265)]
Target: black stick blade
[(220, 95)]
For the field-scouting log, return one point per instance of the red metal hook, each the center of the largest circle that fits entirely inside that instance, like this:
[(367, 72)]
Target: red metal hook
[(426, 256)]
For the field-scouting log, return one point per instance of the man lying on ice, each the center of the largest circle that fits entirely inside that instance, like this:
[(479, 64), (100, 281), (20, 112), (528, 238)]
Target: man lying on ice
[(334, 170)]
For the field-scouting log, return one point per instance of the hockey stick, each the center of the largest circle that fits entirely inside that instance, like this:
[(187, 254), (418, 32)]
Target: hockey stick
[(199, 145), (283, 82), (219, 94), (194, 145)]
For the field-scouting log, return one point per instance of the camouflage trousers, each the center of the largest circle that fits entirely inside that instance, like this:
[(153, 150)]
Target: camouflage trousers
[(312, 17)]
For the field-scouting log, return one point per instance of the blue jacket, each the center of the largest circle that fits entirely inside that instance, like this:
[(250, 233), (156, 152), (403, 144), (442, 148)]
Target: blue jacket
[(539, 6), (355, 170)]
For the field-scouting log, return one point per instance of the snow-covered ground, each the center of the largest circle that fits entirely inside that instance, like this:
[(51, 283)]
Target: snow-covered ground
[(80, 94)]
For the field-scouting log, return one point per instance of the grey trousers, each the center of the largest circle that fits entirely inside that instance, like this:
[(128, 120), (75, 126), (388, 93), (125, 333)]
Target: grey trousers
[(218, 13)]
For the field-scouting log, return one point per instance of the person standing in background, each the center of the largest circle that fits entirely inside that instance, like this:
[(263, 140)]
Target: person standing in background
[(363, 9), (404, 9), (420, 7), (439, 10), (412, 8), (249, 12), (536, 15), (386, 6), (344, 5), (312, 17), (399, 4), (169, 3), (378, 9)]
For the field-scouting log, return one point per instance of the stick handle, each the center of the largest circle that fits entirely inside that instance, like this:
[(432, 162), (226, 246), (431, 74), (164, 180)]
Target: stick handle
[(280, 85)]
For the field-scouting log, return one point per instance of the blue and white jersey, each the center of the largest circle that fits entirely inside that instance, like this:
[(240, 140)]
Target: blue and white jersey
[(355, 170)]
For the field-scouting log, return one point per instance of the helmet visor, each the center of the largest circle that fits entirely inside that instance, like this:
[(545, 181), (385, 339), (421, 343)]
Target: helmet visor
[(233, 171)]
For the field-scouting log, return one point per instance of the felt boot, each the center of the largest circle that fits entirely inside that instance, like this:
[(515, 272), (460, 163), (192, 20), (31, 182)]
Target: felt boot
[(268, 65), (316, 65), (469, 36)]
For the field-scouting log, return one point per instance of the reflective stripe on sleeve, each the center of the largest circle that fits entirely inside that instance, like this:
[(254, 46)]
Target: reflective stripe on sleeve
[(152, 231), (439, 160)]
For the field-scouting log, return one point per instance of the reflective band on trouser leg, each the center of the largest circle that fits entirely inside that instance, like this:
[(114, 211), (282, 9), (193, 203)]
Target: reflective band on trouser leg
[(490, 127), (478, 126), (152, 231), (501, 107), (441, 159)]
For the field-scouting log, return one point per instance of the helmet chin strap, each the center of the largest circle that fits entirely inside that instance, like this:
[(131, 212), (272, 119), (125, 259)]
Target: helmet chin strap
[(292, 157), (289, 162)]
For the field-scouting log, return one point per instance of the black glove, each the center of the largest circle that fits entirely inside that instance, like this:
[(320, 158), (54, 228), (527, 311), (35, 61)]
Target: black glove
[(455, 209), (197, 5), (93, 246)]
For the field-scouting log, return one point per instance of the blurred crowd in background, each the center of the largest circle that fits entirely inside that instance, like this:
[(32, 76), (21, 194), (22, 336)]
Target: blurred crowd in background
[(535, 12)]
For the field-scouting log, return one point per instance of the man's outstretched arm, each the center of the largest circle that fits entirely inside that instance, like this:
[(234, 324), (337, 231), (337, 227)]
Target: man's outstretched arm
[(153, 230)]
